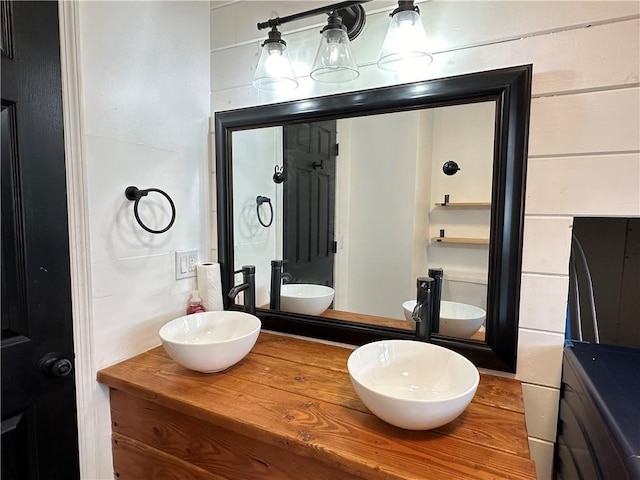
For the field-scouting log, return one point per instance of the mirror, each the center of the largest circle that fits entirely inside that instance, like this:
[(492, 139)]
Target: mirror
[(381, 181), (366, 191)]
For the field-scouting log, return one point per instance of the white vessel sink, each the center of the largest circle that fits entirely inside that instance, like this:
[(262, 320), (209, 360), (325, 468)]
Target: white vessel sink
[(456, 319), (210, 341), (412, 385), (305, 298)]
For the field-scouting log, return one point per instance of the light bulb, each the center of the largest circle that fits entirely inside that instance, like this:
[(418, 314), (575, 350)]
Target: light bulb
[(275, 64), (334, 61), (405, 46), (274, 71)]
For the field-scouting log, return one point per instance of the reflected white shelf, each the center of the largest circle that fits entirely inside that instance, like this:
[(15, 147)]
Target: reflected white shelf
[(473, 241), (464, 204)]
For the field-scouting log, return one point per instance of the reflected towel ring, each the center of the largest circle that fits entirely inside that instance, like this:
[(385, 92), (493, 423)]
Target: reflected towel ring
[(134, 194), (259, 201)]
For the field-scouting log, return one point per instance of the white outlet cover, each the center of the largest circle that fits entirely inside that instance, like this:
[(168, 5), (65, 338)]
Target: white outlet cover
[(186, 264)]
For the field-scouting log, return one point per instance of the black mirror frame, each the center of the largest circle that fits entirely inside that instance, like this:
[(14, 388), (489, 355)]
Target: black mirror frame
[(510, 88)]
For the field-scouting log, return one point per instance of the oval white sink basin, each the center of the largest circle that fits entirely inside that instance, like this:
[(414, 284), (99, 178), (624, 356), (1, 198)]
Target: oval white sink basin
[(456, 319), (413, 385), (305, 298), (210, 341)]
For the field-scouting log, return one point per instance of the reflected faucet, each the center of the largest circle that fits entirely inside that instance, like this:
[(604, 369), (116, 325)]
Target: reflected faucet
[(277, 276), (436, 297), (248, 286), (422, 312)]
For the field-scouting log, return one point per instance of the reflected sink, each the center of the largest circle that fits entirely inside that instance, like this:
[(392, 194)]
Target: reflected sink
[(456, 319), (210, 341), (305, 298), (412, 385)]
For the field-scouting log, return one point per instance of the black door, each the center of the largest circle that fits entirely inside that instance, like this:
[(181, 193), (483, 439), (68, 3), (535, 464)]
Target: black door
[(39, 426), (310, 152)]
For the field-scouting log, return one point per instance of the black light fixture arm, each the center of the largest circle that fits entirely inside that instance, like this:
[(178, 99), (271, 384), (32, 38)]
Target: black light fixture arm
[(274, 37), (334, 21), (403, 6), (274, 22)]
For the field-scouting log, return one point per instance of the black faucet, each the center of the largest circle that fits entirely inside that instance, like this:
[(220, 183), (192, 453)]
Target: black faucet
[(422, 312), (248, 286), (277, 276), (436, 297)]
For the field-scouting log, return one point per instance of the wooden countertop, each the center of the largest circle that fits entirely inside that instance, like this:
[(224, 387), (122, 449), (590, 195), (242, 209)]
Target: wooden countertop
[(296, 394), (375, 320)]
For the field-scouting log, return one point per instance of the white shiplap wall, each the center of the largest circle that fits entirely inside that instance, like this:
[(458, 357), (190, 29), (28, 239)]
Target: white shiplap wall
[(138, 87), (584, 152)]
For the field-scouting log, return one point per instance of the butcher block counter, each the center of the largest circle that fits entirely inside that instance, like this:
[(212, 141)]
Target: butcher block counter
[(288, 411)]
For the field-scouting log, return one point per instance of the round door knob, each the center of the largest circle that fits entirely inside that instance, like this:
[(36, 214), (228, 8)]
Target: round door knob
[(55, 365)]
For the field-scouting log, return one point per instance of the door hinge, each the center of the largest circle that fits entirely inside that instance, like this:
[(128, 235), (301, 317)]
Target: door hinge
[(334, 246), (336, 150)]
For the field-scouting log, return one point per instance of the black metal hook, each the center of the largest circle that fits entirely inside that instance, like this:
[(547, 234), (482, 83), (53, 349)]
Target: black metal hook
[(135, 194), (278, 174), (450, 167)]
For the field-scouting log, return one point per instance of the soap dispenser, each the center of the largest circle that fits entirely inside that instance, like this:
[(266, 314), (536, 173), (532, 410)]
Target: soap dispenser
[(195, 304)]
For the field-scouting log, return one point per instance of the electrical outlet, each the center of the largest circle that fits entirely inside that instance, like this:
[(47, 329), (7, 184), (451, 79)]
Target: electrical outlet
[(186, 264)]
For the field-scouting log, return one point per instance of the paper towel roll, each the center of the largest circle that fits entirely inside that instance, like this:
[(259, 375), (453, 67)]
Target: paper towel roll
[(210, 286)]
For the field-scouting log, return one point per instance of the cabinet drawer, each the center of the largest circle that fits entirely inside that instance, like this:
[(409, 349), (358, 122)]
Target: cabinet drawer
[(579, 450), (582, 429)]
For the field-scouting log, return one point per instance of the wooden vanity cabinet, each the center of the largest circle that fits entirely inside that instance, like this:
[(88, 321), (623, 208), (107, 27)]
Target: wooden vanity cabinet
[(288, 411)]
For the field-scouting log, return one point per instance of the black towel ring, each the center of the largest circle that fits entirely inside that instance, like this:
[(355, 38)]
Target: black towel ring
[(259, 201), (134, 194)]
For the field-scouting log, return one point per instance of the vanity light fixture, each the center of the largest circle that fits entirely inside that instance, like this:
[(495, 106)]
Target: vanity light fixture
[(274, 70), (405, 47), (334, 61)]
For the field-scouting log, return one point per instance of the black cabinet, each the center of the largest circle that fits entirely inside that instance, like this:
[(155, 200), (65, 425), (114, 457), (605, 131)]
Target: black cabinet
[(599, 415)]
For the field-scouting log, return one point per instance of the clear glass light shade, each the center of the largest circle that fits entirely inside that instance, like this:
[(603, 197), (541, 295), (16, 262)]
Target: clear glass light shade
[(334, 61), (274, 71), (405, 47)]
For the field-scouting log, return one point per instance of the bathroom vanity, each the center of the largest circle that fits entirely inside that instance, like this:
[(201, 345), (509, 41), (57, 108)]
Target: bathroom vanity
[(288, 411)]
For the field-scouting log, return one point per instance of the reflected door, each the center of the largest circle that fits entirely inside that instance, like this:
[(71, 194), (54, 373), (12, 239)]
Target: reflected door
[(39, 429), (310, 152)]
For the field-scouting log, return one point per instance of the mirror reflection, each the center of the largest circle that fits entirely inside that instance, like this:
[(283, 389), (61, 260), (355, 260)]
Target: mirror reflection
[(356, 209)]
